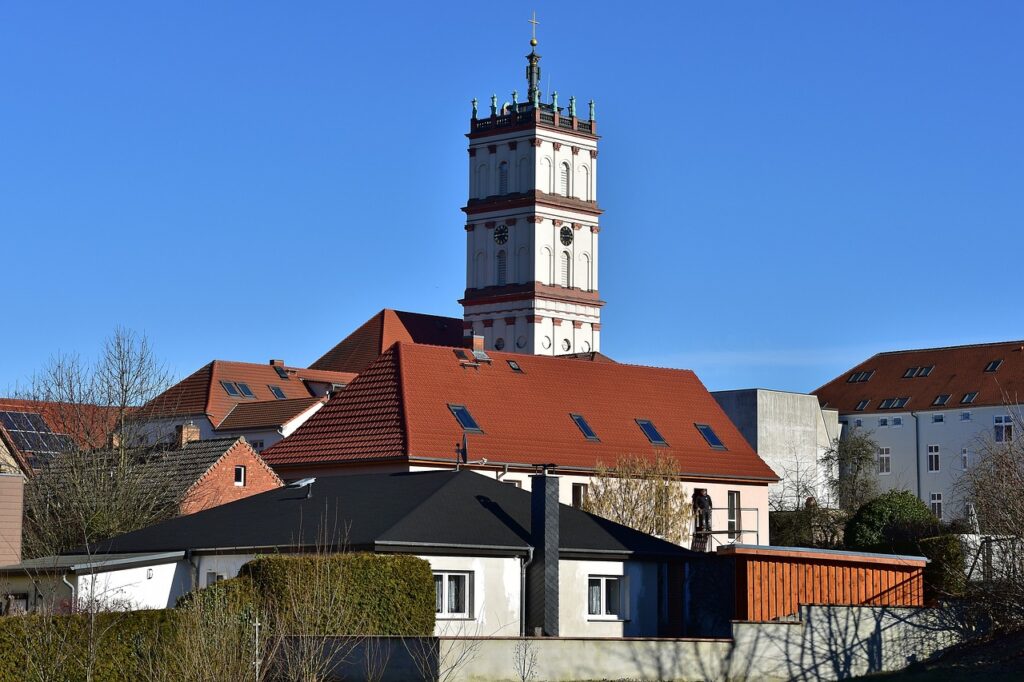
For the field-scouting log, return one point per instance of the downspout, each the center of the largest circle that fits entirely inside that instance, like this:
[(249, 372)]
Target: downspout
[(522, 590), (74, 601), (194, 573), (917, 451)]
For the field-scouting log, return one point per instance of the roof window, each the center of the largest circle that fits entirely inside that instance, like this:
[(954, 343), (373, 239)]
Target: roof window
[(588, 432), (941, 399), (651, 432), (911, 371), (860, 377), (514, 366), (710, 436), (464, 418), (862, 404), (245, 390), (230, 389), (969, 398), (900, 402), (893, 403), (276, 390), (993, 366), (281, 371), (924, 371)]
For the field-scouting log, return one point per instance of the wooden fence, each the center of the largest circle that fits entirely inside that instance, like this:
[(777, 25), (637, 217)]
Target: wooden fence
[(772, 582)]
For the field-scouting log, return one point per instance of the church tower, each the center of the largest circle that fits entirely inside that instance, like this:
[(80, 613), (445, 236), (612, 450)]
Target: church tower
[(532, 225)]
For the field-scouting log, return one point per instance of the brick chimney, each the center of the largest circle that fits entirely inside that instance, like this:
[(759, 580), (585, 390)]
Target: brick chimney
[(185, 434), (12, 496), (472, 341), (542, 573), (277, 363)]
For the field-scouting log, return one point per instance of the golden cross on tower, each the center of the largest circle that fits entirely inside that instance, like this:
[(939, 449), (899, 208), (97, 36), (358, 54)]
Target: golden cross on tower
[(533, 28)]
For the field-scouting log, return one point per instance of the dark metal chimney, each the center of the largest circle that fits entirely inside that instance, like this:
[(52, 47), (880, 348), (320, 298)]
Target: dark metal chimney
[(542, 573)]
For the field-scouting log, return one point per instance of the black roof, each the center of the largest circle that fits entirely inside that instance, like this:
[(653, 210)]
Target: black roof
[(458, 512)]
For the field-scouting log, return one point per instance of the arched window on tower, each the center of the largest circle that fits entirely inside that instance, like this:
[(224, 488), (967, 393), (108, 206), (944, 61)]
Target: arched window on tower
[(586, 194), (587, 275), (481, 270), (503, 178), (501, 267), (566, 274), (546, 265), (563, 187)]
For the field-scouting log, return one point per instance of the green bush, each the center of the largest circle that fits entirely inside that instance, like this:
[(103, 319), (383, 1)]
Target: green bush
[(945, 573), (57, 647), (892, 522), (365, 594)]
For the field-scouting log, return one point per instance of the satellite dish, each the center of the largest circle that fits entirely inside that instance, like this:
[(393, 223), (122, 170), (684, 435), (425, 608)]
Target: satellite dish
[(302, 482)]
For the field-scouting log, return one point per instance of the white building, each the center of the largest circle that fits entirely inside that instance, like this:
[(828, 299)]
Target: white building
[(532, 225), (931, 412)]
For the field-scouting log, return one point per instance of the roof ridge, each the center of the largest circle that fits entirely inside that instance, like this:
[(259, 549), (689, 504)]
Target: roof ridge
[(403, 404), (448, 474), (957, 347)]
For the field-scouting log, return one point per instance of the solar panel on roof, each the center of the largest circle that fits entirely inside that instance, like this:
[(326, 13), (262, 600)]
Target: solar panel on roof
[(37, 423), (7, 420), (31, 434)]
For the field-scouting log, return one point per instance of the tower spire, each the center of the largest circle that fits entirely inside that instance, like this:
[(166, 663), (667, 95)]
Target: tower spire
[(533, 67)]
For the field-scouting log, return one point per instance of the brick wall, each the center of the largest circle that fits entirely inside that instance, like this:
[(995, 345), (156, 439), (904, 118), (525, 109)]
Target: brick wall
[(218, 487), (12, 488)]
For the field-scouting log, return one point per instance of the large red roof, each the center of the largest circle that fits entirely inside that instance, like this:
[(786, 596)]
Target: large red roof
[(357, 350), (88, 425), (202, 393), (955, 371), (399, 409)]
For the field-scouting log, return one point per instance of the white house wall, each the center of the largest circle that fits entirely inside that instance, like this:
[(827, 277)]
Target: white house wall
[(495, 596), (143, 587), (641, 584)]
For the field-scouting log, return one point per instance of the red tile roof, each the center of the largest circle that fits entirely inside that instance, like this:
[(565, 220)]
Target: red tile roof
[(266, 413), (398, 408), (203, 394), (956, 371), (88, 425), (357, 350)]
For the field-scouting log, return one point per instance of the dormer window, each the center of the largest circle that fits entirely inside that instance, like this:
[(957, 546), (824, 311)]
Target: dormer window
[(277, 392), (584, 427), (710, 436), (231, 389), (993, 366), (651, 432), (465, 419)]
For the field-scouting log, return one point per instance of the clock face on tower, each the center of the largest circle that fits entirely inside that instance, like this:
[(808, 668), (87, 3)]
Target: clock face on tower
[(566, 235), (501, 234)]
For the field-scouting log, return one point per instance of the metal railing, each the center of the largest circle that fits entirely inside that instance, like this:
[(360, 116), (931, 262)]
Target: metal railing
[(709, 540)]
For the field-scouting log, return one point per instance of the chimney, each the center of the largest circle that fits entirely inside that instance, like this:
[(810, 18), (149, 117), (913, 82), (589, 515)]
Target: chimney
[(185, 434), (473, 341), (277, 363), (12, 495), (542, 573)]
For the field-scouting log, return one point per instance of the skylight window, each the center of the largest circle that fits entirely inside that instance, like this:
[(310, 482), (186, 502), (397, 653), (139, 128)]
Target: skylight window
[(925, 371), (887, 403), (710, 436), (281, 371), (588, 432), (651, 432), (464, 418), (859, 377), (993, 366), (941, 399), (245, 390), (910, 372), (893, 403), (230, 389), (900, 402), (862, 404), (514, 366), (969, 398), (276, 390)]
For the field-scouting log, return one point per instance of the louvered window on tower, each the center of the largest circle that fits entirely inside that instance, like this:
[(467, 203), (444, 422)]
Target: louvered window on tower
[(502, 267), (566, 274), (564, 182), (503, 178)]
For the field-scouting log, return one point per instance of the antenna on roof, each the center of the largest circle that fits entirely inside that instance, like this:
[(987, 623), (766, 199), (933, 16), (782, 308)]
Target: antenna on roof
[(306, 483)]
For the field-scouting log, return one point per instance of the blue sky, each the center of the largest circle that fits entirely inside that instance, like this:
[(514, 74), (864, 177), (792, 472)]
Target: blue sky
[(788, 187)]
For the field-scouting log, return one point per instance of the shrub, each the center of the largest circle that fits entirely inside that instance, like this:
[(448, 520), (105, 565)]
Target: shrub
[(892, 522), (945, 572)]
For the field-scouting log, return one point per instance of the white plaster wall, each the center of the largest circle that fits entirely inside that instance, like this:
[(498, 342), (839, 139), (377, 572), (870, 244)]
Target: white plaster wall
[(227, 565), (143, 587), (495, 600), (641, 584)]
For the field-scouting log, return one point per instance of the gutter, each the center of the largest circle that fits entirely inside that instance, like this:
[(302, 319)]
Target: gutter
[(523, 564), (917, 451)]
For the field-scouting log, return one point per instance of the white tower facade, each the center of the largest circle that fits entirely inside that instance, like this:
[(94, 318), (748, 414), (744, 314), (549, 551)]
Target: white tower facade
[(532, 226)]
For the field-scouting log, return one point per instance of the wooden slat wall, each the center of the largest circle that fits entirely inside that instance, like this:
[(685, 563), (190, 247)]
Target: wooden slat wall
[(775, 587)]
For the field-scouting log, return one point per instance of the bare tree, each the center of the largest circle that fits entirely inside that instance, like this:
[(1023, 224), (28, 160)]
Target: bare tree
[(853, 468), (643, 493), (524, 660)]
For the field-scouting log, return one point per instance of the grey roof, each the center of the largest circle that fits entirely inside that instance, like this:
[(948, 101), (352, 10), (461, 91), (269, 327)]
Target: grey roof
[(183, 467), (74, 563), (457, 511)]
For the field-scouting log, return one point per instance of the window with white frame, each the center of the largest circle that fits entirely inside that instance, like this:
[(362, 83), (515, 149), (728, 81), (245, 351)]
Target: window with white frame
[(936, 505), (933, 458), (965, 416), (453, 594), (884, 461), (858, 422), (213, 577), (733, 513), (938, 418), (606, 597), (965, 459), (240, 476), (883, 422), (563, 185), (897, 421), (1004, 429)]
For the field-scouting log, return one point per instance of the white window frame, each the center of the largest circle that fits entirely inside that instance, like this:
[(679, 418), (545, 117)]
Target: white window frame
[(213, 577), (444, 613), (579, 501), (623, 606), (884, 461), (897, 421), (965, 416), (938, 418), (934, 456), (1003, 428), (935, 504), (240, 468), (733, 515), (883, 422)]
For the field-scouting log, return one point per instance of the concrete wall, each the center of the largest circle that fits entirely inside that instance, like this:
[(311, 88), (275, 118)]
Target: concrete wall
[(828, 643)]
